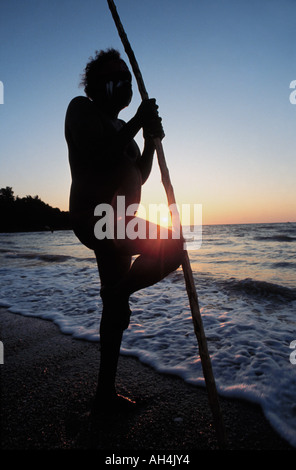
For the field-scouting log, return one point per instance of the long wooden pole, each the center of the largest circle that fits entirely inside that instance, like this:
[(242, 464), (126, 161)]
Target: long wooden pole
[(189, 281)]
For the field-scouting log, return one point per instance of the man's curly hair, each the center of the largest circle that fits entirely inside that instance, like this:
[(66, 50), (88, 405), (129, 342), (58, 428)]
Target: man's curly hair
[(93, 68)]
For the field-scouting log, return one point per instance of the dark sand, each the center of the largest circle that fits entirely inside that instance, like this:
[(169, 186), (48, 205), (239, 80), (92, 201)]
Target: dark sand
[(48, 380)]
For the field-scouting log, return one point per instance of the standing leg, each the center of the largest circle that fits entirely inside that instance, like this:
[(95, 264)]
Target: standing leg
[(115, 318)]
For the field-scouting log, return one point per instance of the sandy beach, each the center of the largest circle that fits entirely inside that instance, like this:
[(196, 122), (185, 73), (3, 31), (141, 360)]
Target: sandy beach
[(48, 380)]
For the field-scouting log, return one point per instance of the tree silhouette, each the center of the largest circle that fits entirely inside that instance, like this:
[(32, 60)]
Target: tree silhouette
[(6, 194), (29, 214)]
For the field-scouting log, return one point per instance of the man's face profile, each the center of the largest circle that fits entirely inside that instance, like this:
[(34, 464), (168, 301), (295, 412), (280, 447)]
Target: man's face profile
[(116, 83)]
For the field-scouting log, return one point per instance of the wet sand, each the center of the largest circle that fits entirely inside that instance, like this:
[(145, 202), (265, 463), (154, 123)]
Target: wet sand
[(48, 381)]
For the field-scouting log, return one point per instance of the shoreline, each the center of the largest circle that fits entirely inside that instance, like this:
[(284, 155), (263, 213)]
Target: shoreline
[(48, 380)]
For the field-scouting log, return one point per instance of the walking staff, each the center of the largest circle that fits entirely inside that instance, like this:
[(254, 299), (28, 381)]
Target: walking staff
[(189, 281)]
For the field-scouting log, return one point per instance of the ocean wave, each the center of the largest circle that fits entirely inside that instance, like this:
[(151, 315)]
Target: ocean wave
[(276, 238), (38, 256), (284, 264), (44, 257), (260, 288)]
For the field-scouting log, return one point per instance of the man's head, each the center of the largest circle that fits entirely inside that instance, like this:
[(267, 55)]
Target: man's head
[(107, 80)]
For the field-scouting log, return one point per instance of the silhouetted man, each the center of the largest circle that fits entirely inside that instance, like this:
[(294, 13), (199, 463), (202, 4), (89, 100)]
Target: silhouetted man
[(106, 163)]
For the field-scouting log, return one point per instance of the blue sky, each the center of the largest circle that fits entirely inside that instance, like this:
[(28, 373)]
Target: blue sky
[(219, 69)]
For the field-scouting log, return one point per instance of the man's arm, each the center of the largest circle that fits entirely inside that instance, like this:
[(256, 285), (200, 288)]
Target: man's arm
[(152, 129), (147, 118), (83, 127), (146, 160), (84, 130)]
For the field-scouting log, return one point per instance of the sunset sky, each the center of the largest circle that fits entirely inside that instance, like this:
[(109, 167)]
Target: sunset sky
[(219, 69)]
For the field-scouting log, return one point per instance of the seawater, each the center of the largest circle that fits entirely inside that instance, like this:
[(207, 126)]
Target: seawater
[(246, 283)]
